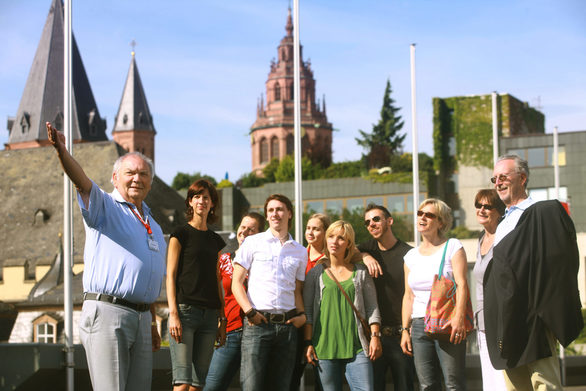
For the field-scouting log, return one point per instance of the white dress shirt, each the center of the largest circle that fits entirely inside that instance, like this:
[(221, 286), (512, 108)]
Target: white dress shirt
[(273, 270), (512, 215)]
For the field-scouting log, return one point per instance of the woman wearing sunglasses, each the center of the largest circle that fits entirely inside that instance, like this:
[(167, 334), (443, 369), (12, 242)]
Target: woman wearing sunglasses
[(489, 210), (422, 263)]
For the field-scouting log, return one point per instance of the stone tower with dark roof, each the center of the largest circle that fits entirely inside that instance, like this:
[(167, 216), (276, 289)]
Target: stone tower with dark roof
[(133, 127), (42, 99), (272, 132)]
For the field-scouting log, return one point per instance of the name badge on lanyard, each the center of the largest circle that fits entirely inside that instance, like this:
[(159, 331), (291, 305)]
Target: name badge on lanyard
[(153, 244)]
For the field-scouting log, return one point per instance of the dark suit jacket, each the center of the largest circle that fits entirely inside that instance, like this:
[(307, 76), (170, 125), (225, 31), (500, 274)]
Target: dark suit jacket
[(531, 286)]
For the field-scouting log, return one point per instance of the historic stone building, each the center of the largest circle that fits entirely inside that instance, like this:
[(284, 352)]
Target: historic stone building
[(42, 99), (31, 186), (133, 127), (272, 132)]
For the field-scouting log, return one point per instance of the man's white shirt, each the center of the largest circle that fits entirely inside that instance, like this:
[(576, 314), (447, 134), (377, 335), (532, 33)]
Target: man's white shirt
[(512, 216), (273, 270)]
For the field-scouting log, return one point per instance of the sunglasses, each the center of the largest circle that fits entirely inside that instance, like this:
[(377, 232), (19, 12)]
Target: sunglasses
[(501, 178), (429, 215), (485, 206), (375, 219)]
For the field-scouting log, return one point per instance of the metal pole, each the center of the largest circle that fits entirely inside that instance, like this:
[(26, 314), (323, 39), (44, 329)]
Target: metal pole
[(68, 199), (556, 163), (495, 128), (297, 125), (415, 149)]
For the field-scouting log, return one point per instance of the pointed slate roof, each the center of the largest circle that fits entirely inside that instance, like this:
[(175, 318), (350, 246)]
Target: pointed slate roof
[(42, 99), (133, 112)]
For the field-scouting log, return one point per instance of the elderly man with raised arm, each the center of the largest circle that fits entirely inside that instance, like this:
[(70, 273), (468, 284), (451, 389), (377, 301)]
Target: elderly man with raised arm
[(124, 265)]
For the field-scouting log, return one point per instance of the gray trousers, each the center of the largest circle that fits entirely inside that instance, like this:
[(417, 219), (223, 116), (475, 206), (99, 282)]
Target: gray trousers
[(118, 346)]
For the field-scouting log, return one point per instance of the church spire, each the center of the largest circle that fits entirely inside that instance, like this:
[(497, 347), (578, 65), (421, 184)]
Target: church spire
[(42, 98), (133, 126), (289, 25)]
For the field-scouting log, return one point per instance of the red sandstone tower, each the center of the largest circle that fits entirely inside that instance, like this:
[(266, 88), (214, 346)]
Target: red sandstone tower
[(272, 132)]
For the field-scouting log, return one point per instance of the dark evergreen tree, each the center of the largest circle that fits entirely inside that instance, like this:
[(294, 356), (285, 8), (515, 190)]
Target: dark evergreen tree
[(385, 140)]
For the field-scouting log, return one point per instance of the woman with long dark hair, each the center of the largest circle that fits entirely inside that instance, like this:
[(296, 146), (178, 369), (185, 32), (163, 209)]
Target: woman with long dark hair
[(194, 290)]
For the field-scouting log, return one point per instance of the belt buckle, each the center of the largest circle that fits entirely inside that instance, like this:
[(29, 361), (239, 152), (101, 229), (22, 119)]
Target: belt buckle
[(277, 318)]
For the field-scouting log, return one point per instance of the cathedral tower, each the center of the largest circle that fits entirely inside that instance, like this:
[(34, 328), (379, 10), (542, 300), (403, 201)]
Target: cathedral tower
[(133, 127), (272, 132)]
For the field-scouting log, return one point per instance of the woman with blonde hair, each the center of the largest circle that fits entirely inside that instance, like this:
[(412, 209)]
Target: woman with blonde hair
[(422, 263), (336, 343)]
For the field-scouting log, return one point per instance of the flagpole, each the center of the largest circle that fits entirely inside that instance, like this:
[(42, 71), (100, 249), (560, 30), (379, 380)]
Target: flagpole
[(415, 156), (495, 128), (297, 125), (68, 200)]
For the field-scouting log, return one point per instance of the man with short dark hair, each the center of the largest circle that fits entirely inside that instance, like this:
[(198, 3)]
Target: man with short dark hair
[(388, 251), (124, 265), (531, 294), (275, 265)]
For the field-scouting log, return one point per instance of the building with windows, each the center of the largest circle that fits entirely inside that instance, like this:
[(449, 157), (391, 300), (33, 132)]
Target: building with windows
[(272, 132)]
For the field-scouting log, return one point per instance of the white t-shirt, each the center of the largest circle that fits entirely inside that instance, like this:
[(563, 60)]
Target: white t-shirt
[(422, 269)]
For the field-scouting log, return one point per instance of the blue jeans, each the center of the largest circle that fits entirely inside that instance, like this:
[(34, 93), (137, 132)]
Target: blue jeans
[(400, 364), (431, 355), (225, 363), (268, 356), (191, 358), (358, 371)]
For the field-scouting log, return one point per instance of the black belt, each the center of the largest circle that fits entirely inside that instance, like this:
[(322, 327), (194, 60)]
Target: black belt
[(279, 318), (117, 301), (391, 331)]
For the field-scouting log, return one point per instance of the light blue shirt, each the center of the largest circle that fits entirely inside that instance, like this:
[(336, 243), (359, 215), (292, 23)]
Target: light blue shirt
[(512, 216), (117, 258)]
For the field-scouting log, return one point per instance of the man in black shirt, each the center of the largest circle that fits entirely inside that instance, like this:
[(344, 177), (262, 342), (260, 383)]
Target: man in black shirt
[(388, 251)]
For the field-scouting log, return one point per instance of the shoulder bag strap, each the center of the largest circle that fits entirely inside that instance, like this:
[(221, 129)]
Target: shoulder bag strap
[(362, 320), (441, 268)]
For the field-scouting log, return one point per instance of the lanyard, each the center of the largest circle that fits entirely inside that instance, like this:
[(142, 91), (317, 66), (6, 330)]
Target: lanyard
[(145, 223)]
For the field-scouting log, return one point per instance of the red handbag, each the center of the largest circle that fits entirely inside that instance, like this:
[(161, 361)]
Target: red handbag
[(442, 305)]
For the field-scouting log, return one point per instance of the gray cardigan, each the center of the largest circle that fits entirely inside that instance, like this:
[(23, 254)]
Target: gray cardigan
[(364, 299)]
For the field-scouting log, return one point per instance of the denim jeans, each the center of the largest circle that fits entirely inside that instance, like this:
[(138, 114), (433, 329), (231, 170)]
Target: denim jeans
[(433, 357), (191, 358), (225, 363), (268, 356), (358, 371), (400, 364)]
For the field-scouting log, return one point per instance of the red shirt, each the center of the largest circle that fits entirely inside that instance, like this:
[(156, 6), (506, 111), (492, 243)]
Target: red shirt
[(231, 307), (311, 262)]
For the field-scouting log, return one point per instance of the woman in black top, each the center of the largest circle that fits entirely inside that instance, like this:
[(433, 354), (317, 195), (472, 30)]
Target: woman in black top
[(193, 291)]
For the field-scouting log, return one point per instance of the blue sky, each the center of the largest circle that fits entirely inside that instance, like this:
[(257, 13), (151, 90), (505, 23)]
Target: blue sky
[(204, 64)]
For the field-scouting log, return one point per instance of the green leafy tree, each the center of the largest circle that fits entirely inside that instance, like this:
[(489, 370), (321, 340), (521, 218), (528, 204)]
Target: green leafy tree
[(385, 140), (270, 169), (250, 180), (286, 170), (183, 180)]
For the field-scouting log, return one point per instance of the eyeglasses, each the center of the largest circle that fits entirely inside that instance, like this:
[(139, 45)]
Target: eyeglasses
[(429, 215), (375, 219), (485, 206), (501, 177)]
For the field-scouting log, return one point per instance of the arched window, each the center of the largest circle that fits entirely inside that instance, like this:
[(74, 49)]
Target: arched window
[(264, 151), (274, 147), (291, 92), (277, 91), (290, 144)]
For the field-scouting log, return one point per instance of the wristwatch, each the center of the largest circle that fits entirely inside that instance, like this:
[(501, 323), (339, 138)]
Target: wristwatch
[(250, 313), (376, 334)]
